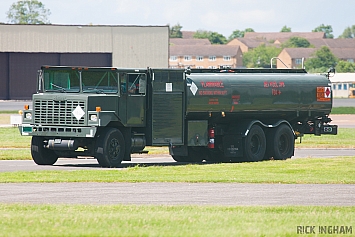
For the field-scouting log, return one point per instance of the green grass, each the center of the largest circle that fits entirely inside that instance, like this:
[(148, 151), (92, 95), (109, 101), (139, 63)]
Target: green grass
[(9, 112), (11, 138), (344, 139), (343, 110), (146, 220), (298, 171), (15, 154)]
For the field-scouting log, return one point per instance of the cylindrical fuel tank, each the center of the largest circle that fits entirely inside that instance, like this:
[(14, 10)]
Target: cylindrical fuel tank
[(274, 94)]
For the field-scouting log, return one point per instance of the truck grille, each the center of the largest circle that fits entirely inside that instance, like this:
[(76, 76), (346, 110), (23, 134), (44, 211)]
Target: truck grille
[(49, 112)]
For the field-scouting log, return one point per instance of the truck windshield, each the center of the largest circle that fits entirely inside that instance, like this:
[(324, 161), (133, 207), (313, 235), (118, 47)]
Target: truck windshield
[(68, 80), (99, 82), (61, 81)]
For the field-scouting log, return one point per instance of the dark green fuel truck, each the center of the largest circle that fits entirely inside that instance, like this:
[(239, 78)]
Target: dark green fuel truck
[(200, 114)]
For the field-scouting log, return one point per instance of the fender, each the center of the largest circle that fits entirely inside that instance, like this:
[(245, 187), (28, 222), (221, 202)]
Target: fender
[(249, 123)]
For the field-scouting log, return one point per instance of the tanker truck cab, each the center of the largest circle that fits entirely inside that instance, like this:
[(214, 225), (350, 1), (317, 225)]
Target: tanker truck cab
[(81, 111), (199, 114)]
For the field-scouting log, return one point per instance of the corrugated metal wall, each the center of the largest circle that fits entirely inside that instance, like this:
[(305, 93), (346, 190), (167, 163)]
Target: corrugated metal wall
[(24, 48), (140, 47), (19, 70), (131, 46), (55, 38)]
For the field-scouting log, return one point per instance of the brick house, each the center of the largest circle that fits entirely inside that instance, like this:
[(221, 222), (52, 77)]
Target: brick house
[(205, 56)]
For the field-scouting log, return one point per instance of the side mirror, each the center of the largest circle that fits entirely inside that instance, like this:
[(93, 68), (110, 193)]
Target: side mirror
[(331, 70)]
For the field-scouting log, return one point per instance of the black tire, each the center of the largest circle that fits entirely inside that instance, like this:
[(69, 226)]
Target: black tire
[(110, 147), (254, 144), (40, 154), (282, 143)]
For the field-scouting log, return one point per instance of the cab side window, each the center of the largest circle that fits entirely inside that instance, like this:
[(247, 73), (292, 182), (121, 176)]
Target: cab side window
[(136, 83)]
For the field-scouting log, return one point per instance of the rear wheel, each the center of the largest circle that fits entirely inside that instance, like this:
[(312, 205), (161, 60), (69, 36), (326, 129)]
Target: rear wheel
[(40, 154), (282, 142), (255, 144), (110, 147)]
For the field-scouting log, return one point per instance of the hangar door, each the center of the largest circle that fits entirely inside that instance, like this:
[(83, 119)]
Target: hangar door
[(19, 70)]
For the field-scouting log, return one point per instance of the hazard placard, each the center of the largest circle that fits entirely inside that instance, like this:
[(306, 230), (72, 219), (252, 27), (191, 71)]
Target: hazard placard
[(324, 93)]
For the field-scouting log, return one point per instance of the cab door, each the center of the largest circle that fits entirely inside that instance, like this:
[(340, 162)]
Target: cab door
[(132, 110)]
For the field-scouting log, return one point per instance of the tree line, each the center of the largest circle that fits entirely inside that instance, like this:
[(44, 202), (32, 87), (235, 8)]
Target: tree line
[(217, 38)]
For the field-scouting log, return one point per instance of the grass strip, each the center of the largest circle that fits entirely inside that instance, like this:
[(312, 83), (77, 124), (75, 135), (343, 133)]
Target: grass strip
[(10, 137), (344, 139), (147, 220), (343, 110), (15, 154), (296, 171)]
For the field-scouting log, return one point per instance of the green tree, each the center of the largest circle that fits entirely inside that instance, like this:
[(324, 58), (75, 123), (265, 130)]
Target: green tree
[(285, 29), (260, 56), (175, 31), (28, 12), (213, 37), (349, 32), (345, 66), (327, 29), (296, 42), (321, 60), (239, 33)]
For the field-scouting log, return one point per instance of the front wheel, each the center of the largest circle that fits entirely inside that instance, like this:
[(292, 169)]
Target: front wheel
[(110, 147), (255, 144), (40, 154)]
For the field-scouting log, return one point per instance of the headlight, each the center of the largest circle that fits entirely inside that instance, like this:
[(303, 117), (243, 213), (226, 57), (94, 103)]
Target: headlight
[(28, 115), (93, 117)]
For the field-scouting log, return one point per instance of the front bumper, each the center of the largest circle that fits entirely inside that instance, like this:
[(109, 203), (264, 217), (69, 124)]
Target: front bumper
[(57, 131)]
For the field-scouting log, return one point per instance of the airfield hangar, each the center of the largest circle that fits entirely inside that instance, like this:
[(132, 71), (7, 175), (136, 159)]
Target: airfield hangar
[(25, 48)]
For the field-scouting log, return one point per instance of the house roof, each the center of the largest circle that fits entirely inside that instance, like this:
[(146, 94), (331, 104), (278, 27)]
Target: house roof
[(333, 43), (181, 41), (342, 53), (284, 35), (204, 50), (250, 42), (299, 52), (188, 34)]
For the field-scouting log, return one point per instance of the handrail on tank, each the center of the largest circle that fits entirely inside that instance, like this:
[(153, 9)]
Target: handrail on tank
[(278, 59)]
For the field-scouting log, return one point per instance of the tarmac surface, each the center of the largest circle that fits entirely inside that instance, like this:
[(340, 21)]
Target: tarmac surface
[(226, 194)]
